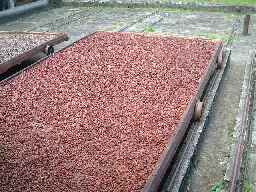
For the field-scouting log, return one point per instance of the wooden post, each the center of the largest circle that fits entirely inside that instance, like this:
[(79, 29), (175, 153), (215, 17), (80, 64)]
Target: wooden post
[(246, 24)]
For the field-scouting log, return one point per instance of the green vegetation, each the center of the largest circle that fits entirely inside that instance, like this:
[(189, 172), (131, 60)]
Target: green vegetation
[(218, 187), (149, 29), (228, 2), (247, 186)]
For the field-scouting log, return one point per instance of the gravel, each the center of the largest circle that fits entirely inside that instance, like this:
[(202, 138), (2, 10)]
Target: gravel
[(97, 115), (14, 44)]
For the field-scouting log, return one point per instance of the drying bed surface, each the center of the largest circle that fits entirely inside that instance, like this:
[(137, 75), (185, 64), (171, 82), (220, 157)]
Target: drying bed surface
[(97, 115), (14, 44)]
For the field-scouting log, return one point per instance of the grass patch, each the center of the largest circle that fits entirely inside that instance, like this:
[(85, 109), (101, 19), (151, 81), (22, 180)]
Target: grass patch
[(149, 29)]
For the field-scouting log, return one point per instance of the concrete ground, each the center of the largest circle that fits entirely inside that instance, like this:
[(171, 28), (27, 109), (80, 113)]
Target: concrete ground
[(219, 134), (209, 164)]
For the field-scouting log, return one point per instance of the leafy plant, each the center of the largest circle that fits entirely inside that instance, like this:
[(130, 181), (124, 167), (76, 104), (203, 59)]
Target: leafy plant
[(247, 186), (218, 187)]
